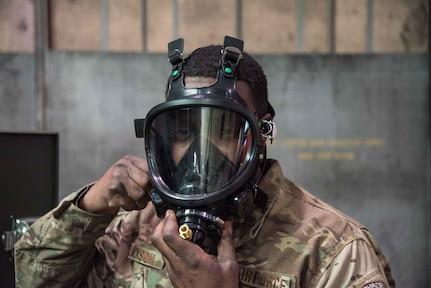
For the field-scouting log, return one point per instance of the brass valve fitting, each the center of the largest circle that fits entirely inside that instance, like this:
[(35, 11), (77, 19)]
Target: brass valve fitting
[(185, 232)]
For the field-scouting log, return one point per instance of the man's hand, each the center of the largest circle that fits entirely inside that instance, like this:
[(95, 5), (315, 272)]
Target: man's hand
[(188, 265), (126, 184)]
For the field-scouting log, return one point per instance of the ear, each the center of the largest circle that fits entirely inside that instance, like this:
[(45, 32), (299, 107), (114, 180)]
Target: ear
[(267, 116)]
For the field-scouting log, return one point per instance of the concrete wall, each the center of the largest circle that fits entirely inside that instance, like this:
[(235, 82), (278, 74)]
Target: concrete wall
[(353, 130)]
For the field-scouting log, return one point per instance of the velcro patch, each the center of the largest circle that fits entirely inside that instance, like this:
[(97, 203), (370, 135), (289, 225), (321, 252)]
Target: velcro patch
[(260, 278), (147, 255), (375, 284)]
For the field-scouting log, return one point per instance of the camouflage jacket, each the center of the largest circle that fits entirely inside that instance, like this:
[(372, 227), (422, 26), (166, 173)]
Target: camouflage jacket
[(296, 240)]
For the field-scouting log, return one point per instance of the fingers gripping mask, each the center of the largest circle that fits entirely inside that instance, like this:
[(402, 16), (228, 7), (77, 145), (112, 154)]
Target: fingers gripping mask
[(203, 146)]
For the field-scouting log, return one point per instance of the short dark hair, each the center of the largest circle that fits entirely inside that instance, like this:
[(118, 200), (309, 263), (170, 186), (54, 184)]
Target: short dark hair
[(205, 62)]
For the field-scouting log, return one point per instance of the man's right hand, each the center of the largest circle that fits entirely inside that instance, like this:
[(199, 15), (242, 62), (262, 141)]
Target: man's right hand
[(126, 185)]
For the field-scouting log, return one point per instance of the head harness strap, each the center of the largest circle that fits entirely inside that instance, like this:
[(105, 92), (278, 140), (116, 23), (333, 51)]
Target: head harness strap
[(175, 56), (232, 53), (225, 79)]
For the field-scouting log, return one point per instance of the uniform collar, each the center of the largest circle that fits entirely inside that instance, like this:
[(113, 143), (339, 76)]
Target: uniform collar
[(247, 228)]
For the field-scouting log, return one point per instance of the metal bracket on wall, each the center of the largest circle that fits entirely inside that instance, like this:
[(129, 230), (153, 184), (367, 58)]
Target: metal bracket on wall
[(19, 227)]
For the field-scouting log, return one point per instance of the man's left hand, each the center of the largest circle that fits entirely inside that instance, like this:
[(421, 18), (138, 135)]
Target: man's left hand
[(188, 265)]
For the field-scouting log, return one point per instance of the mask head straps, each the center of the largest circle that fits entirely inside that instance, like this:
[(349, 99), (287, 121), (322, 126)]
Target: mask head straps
[(175, 56), (232, 54), (224, 87)]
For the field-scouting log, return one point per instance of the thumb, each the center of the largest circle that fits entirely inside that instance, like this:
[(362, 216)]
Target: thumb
[(226, 247)]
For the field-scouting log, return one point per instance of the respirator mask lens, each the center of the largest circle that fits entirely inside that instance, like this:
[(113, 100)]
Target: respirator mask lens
[(198, 150)]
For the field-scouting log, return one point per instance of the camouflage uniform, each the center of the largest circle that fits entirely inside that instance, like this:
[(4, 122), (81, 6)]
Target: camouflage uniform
[(295, 241)]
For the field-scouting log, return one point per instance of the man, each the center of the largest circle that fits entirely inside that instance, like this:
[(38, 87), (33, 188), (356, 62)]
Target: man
[(220, 215)]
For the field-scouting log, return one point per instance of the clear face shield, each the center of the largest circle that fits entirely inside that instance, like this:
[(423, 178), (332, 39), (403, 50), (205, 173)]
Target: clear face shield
[(198, 151)]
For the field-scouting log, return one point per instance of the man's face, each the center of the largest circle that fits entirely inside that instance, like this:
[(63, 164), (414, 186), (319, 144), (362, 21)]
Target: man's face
[(224, 124)]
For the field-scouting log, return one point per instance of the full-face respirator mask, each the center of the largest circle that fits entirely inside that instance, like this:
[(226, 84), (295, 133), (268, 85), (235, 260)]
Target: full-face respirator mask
[(203, 146)]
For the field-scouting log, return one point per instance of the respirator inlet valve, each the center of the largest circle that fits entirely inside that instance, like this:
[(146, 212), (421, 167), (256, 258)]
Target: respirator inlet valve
[(185, 232)]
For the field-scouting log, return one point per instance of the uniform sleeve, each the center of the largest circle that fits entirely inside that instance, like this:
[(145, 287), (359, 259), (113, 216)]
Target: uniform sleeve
[(356, 265), (58, 249)]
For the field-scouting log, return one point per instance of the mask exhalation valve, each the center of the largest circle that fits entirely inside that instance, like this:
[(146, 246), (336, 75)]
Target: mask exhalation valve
[(201, 228)]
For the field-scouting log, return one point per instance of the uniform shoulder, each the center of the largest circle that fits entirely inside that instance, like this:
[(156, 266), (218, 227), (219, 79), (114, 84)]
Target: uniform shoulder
[(319, 206)]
